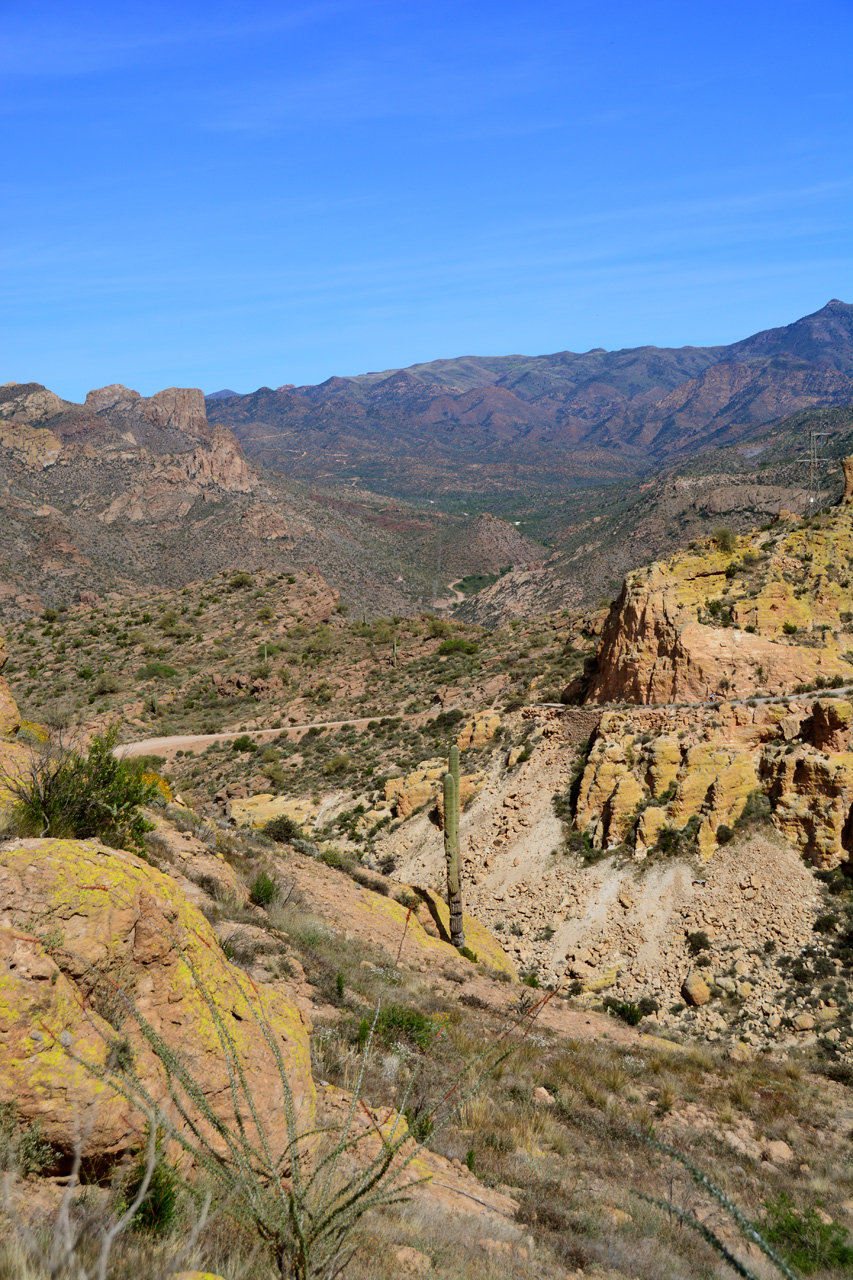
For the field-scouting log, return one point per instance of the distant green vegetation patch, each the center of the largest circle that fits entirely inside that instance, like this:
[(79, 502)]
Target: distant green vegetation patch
[(156, 671), (475, 582)]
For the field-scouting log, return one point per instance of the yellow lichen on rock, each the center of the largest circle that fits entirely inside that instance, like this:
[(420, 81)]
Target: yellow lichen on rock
[(664, 764), (478, 731), (257, 811), (104, 910), (483, 943), (709, 620), (413, 790), (408, 792), (812, 796)]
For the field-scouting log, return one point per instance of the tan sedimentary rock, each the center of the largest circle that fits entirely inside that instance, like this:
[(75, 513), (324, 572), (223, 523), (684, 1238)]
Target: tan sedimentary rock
[(478, 731), (695, 990), (832, 718), (664, 639), (423, 785)]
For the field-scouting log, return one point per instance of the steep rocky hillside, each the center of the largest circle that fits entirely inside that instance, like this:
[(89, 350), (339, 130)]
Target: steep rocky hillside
[(267, 650), (485, 425), (598, 535), (126, 490)]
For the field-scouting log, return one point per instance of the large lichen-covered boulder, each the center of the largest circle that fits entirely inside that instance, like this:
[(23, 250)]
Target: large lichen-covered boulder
[(80, 924)]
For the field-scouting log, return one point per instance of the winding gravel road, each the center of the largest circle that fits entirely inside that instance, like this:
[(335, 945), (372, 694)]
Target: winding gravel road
[(190, 741)]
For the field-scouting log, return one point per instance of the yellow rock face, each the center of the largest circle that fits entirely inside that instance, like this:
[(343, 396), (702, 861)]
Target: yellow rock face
[(664, 640), (424, 784), (479, 731), (609, 792), (70, 909), (484, 944), (418, 787), (708, 780), (664, 764), (257, 811), (812, 796)]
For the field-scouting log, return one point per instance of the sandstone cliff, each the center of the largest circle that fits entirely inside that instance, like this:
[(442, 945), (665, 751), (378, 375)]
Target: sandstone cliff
[(769, 614)]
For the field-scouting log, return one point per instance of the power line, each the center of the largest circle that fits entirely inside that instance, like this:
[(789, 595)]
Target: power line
[(815, 461)]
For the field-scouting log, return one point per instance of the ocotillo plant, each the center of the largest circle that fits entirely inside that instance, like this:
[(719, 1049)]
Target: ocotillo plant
[(451, 848)]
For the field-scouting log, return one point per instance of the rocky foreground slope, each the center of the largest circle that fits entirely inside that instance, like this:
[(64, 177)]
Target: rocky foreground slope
[(179, 934)]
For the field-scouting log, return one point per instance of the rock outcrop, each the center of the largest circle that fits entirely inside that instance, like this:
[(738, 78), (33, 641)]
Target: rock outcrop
[(766, 616), (847, 465), (181, 408), (81, 928), (10, 717)]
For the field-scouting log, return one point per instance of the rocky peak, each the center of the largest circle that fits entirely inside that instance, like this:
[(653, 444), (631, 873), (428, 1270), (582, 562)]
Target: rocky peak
[(181, 408)]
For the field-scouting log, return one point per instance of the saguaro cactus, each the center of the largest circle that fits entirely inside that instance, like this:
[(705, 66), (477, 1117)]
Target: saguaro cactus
[(451, 849)]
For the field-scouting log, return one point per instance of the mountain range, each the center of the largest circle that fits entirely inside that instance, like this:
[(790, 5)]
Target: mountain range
[(477, 425), (393, 484)]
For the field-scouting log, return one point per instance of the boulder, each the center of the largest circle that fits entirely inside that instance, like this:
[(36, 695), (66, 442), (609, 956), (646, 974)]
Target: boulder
[(778, 1152), (83, 931), (695, 990), (831, 721)]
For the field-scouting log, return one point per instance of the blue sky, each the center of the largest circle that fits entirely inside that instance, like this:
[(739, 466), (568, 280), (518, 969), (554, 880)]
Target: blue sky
[(227, 194)]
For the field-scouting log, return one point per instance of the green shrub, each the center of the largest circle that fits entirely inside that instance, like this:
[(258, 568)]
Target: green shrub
[(725, 540), (22, 1148), (282, 829), (244, 743), (698, 942), (64, 793), (159, 1209), (238, 581), (457, 645), (156, 671), (395, 1022), (339, 763), (790, 628), (263, 890), (809, 1243), (624, 1009)]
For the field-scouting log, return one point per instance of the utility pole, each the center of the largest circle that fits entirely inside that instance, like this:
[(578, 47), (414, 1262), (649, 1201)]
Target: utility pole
[(815, 461)]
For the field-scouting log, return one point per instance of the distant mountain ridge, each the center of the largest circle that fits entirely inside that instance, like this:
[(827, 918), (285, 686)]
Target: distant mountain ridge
[(481, 424)]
